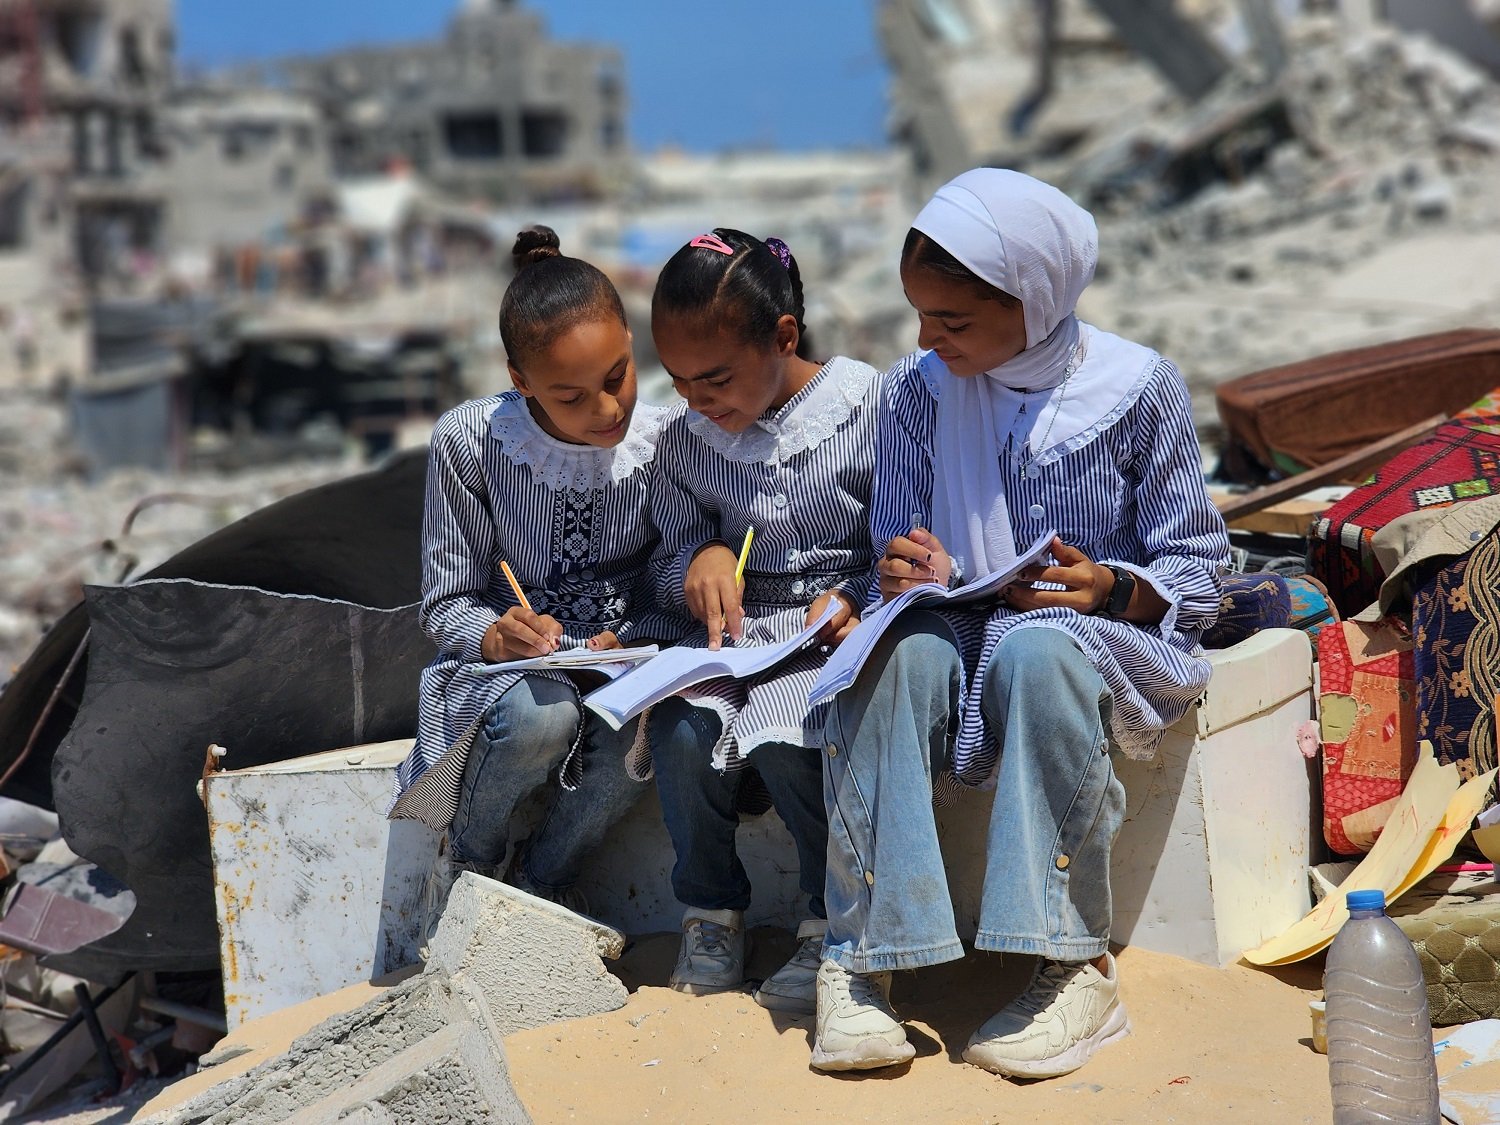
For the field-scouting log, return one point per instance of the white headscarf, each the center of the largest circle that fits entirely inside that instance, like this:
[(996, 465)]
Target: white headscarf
[(1030, 240)]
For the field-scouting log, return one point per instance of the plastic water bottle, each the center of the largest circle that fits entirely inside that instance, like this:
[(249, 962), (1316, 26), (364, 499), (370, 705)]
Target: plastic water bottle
[(1380, 1059)]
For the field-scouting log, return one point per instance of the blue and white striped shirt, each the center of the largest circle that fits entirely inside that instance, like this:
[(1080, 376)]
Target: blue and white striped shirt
[(572, 522), (801, 476), (1129, 493)]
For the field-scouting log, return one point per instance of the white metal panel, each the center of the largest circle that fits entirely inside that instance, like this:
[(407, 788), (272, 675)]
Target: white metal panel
[(314, 888)]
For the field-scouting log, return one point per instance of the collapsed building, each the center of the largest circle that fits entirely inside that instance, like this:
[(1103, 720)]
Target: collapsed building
[(493, 108), (81, 91)]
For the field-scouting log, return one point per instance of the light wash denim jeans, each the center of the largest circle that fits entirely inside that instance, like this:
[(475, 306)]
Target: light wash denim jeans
[(698, 803), (527, 732), (1058, 804)]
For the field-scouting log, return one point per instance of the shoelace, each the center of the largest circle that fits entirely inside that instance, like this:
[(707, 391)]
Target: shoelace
[(1050, 981), (712, 938), (860, 989), (810, 952)]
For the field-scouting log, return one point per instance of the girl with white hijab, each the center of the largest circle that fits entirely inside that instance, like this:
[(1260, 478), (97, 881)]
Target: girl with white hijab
[(1014, 419)]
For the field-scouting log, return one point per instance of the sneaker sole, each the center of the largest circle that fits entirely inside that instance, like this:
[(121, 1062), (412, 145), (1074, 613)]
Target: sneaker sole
[(781, 1002), (1115, 1027), (868, 1055)]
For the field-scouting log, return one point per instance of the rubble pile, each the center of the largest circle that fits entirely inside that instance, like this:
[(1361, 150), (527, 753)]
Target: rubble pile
[(1254, 199), (62, 529)]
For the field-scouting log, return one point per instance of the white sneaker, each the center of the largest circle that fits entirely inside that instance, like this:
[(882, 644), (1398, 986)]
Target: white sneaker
[(1069, 1011), (794, 986), (857, 1030), (712, 958)]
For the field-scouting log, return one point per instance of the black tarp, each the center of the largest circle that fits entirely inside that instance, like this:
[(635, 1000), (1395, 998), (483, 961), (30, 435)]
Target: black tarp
[(352, 541), (175, 665)]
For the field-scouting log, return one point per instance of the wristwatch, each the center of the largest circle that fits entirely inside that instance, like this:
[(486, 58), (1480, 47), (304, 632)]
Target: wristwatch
[(1119, 597)]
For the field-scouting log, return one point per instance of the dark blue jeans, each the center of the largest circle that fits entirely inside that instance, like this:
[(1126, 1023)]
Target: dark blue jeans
[(699, 806), (527, 732)]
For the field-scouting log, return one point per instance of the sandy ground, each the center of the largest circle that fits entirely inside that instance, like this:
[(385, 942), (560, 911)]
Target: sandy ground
[(1208, 1045)]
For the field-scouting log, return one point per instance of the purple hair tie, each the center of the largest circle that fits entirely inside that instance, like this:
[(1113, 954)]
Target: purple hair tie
[(782, 251)]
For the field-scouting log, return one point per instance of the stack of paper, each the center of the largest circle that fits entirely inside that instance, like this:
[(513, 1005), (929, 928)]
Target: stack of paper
[(611, 662), (844, 665), (681, 667)]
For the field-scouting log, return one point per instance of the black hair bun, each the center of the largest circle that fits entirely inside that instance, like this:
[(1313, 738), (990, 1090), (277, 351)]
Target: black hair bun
[(535, 244)]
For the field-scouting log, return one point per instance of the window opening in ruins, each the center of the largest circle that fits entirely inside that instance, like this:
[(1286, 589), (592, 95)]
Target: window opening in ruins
[(77, 35), (544, 133), (132, 62), (611, 133), (14, 196), (473, 136)]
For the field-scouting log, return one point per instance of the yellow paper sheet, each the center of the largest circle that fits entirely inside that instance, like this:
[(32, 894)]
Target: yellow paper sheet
[(1408, 838)]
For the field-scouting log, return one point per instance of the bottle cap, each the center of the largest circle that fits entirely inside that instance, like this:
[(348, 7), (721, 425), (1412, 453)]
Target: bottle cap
[(1365, 900)]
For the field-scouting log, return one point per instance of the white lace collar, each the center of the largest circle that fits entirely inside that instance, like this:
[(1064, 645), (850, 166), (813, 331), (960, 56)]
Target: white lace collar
[(561, 465), (811, 416)]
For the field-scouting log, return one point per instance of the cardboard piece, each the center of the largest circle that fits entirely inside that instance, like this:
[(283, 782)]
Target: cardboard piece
[(1425, 826)]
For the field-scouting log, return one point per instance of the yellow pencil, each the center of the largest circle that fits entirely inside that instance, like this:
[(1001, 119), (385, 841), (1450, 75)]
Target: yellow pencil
[(739, 567), (514, 585)]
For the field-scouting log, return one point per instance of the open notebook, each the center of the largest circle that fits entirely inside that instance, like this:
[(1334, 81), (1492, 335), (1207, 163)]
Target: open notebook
[(680, 667), (611, 662), (844, 665)]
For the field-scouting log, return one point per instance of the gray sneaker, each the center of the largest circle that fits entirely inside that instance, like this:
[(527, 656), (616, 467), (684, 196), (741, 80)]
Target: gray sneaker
[(712, 958), (1070, 1010), (794, 986), (570, 897), (856, 1030)]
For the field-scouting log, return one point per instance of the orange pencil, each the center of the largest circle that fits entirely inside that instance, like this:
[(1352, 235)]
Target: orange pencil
[(514, 585)]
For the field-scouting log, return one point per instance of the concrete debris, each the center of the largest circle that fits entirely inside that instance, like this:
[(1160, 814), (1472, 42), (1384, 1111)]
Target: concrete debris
[(430, 1048), (535, 961), (422, 1051)]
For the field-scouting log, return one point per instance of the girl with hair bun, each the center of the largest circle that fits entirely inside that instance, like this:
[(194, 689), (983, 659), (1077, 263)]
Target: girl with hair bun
[(771, 439), (553, 479)]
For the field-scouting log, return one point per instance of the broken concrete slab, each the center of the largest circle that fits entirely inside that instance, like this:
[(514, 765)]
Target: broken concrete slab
[(535, 960), (430, 1048), (424, 1045)]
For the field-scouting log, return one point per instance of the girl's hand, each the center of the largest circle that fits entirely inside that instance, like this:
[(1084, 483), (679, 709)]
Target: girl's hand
[(840, 625), (911, 560), (603, 642), (520, 635), (713, 596), (1087, 583)]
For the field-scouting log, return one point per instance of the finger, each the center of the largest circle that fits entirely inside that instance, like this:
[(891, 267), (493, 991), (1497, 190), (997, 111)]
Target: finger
[(523, 641), (605, 640), (1068, 555), (904, 547), (550, 628), (734, 611), (905, 568)]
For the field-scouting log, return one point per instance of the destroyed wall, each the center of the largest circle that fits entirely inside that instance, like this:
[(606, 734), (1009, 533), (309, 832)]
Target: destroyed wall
[(1351, 202), (246, 163), (495, 107), (90, 76)]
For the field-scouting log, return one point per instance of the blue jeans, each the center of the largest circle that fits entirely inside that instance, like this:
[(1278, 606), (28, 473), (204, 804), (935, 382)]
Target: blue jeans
[(526, 733), (698, 803), (1058, 804)]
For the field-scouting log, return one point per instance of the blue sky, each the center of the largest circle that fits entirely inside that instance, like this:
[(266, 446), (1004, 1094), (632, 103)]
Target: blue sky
[(785, 73)]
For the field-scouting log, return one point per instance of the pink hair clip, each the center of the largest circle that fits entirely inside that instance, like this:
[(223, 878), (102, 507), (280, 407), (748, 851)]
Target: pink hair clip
[(713, 242)]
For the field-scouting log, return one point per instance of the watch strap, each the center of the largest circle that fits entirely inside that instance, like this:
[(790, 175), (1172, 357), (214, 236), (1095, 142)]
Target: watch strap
[(1118, 601)]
